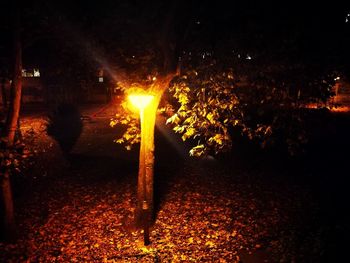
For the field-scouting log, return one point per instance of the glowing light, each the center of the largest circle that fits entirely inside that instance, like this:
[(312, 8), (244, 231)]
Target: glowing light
[(31, 73), (248, 57), (140, 101), (154, 78), (36, 73)]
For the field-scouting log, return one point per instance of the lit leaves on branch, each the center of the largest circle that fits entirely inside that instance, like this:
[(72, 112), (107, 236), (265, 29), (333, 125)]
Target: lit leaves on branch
[(13, 158), (212, 101), (128, 118), (132, 134), (208, 107)]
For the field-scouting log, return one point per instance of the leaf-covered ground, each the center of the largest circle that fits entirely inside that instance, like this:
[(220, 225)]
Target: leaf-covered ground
[(82, 210)]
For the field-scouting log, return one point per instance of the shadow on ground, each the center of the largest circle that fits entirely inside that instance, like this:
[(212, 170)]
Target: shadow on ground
[(101, 168)]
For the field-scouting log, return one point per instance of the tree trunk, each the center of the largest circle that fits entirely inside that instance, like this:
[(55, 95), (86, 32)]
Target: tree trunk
[(12, 122), (145, 180), (3, 93), (9, 222), (16, 85)]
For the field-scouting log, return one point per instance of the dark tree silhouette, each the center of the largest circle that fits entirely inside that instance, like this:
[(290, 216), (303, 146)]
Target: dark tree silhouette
[(12, 124), (65, 126)]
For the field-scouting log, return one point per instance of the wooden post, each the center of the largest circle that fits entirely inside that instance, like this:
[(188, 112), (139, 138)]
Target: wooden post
[(145, 205), (148, 114)]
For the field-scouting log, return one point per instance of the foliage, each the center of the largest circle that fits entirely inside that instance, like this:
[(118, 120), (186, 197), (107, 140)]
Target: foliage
[(20, 156), (211, 99), (265, 104), (14, 159), (132, 134), (65, 126), (207, 107)]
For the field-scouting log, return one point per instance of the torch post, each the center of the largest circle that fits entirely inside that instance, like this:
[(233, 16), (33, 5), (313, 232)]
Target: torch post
[(146, 160)]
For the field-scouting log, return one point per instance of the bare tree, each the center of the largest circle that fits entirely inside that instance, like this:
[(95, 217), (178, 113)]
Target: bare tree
[(12, 122)]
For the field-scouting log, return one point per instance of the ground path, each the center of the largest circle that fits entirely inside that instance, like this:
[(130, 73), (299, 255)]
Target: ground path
[(206, 210)]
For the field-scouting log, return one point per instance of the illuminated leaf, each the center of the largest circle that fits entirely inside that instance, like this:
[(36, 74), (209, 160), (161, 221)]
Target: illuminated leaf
[(121, 140), (179, 129), (189, 132), (197, 150), (173, 119), (210, 117)]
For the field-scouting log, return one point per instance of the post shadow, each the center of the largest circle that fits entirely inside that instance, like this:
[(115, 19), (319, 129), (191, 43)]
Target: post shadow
[(168, 163)]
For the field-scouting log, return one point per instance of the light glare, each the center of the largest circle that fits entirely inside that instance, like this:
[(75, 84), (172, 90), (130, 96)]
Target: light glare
[(140, 101)]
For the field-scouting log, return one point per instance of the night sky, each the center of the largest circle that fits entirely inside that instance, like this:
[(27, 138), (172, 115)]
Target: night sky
[(314, 30)]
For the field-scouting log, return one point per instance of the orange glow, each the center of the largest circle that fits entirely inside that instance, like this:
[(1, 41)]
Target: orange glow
[(140, 101)]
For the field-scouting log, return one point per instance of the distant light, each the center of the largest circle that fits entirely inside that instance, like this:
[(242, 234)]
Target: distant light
[(337, 78), (198, 22), (27, 74), (239, 56), (154, 78), (36, 73), (100, 79), (248, 57)]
